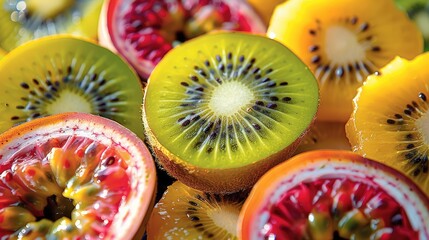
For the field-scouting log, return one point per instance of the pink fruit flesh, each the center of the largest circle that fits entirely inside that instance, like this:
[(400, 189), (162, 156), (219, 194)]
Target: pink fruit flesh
[(337, 207), (144, 31), (76, 169)]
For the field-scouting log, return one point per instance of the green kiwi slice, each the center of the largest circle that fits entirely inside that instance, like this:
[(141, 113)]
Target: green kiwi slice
[(67, 74), (24, 20), (228, 100)]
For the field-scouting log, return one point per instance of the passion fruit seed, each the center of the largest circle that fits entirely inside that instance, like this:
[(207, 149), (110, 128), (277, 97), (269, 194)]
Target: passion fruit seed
[(75, 202), (365, 211)]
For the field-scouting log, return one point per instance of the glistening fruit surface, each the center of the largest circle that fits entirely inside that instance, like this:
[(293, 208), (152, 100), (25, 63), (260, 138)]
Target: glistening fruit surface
[(343, 42), (334, 195), (66, 74), (74, 175), (395, 131), (229, 99)]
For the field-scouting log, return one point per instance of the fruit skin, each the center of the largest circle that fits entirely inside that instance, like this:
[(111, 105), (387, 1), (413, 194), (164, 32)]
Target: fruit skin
[(216, 179), (109, 31), (330, 163), (133, 214), (335, 103), (2, 53), (364, 128)]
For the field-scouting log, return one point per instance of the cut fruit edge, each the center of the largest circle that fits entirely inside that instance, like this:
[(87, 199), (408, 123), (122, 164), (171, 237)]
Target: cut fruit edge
[(141, 168), (331, 164)]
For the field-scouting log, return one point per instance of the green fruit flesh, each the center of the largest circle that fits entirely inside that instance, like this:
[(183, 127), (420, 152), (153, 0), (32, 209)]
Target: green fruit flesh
[(229, 99), (24, 20), (63, 74)]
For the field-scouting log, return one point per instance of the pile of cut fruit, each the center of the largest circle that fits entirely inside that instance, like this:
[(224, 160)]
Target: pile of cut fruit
[(214, 119)]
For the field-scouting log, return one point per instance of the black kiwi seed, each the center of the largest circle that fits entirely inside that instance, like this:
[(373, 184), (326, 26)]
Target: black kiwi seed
[(199, 85)]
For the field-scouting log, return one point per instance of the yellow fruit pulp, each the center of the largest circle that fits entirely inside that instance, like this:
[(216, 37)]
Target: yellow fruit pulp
[(343, 42), (265, 8), (48, 8), (389, 121)]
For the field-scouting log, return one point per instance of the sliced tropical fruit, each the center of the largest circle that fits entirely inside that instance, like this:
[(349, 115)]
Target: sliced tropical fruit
[(74, 176), (331, 195), (390, 118), (344, 41)]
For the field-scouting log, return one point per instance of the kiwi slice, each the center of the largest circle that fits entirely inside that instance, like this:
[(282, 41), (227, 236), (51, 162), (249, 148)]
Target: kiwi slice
[(390, 118), (24, 20), (223, 108), (343, 41), (186, 213), (418, 11), (58, 74), (324, 135)]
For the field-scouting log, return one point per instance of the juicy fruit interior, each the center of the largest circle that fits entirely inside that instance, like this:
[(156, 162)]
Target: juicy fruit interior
[(186, 213), (337, 209), (152, 28), (63, 74), (344, 44), (229, 99), (24, 20), (65, 187), (396, 131)]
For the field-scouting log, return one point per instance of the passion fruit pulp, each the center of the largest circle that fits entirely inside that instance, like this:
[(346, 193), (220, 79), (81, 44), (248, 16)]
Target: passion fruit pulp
[(334, 195), (74, 176), (144, 31)]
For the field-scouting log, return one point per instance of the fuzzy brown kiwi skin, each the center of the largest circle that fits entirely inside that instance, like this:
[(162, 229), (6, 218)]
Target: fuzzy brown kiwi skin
[(222, 181)]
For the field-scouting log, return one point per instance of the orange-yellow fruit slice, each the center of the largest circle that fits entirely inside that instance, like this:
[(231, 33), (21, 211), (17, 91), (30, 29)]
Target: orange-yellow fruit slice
[(390, 118), (343, 42)]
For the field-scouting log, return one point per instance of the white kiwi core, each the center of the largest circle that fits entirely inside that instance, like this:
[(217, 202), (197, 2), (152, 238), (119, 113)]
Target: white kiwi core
[(226, 218), (423, 126), (342, 46), (68, 101), (229, 98)]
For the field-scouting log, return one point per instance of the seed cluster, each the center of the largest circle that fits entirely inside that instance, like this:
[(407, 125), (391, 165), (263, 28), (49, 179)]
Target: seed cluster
[(43, 91), (209, 131), (416, 155), (42, 27), (357, 71)]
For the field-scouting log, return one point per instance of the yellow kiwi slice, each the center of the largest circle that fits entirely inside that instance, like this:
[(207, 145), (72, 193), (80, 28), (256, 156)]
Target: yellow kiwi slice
[(223, 108), (343, 41), (390, 118), (24, 20), (186, 213)]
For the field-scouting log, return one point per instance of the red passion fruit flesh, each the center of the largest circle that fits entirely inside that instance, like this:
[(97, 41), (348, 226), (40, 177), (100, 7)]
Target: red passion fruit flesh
[(74, 176), (144, 31), (334, 195)]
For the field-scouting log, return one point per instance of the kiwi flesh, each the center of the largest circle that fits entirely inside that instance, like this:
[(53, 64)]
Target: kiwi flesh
[(395, 131), (187, 213), (223, 108), (62, 73), (24, 20), (324, 135), (344, 41)]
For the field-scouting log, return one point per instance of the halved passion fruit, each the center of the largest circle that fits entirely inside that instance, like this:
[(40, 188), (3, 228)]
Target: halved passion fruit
[(334, 195), (144, 31), (74, 176)]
